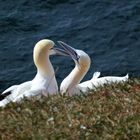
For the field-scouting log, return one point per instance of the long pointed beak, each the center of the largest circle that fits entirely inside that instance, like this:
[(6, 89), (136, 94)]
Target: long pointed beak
[(69, 50), (58, 51)]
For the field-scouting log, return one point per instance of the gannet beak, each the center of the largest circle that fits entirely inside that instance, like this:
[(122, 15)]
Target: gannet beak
[(69, 50), (58, 51)]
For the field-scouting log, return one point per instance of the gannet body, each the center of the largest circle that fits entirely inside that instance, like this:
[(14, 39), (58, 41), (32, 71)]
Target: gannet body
[(44, 82), (100, 81), (71, 84)]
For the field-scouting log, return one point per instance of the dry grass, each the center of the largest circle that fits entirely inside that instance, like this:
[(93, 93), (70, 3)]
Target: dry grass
[(112, 112)]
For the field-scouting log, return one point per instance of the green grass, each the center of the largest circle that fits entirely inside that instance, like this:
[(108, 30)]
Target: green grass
[(111, 112)]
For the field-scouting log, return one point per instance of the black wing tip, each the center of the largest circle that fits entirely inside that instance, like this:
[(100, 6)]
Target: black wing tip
[(3, 96)]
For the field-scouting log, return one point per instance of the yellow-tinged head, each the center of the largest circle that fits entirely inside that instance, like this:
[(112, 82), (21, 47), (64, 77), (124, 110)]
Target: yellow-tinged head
[(41, 53)]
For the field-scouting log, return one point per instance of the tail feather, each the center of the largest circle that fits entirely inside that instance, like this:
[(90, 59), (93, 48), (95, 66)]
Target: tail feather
[(96, 75), (126, 77)]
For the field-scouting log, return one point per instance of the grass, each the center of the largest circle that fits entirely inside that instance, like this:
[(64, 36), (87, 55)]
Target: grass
[(111, 112)]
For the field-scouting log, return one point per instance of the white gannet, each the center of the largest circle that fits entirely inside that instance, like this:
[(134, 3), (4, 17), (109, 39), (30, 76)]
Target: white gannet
[(44, 81), (82, 61)]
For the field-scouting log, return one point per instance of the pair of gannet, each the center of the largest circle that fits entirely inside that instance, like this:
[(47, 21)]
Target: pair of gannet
[(45, 82)]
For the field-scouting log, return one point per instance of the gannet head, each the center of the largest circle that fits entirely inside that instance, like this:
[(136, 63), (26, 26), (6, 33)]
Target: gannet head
[(84, 60), (81, 58), (42, 50)]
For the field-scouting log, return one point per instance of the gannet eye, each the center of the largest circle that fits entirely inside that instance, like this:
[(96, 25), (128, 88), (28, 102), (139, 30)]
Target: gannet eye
[(78, 57)]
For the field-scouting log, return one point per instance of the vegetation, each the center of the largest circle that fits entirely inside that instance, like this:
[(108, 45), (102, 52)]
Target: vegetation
[(111, 112)]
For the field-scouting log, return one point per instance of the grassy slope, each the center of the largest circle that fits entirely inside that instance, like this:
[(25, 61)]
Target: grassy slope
[(112, 112)]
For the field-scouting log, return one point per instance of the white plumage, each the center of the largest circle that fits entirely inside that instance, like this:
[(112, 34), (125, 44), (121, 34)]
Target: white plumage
[(44, 81), (71, 84)]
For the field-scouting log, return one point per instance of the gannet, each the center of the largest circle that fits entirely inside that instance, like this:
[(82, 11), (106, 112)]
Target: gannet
[(71, 84), (43, 83)]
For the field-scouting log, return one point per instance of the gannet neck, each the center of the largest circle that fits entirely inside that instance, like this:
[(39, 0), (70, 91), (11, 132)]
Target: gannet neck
[(41, 56), (77, 74)]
